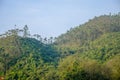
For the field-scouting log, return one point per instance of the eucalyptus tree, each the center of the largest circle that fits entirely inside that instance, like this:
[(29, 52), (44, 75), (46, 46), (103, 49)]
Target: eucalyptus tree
[(25, 31)]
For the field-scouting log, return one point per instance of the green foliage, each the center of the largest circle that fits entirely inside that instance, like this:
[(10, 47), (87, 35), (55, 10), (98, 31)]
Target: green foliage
[(104, 47), (26, 58), (114, 65), (74, 68), (81, 35)]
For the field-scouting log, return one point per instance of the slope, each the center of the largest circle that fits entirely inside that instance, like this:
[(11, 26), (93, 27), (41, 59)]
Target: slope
[(76, 38), (100, 62), (20, 57)]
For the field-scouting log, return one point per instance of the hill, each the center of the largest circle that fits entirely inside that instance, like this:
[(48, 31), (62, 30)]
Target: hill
[(24, 57), (90, 51), (75, 38), (99, 62)]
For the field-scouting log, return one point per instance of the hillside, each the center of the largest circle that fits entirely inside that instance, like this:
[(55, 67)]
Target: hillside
[(90, 51), (24, 56), (105, 47), (100, 62), (81, 35)]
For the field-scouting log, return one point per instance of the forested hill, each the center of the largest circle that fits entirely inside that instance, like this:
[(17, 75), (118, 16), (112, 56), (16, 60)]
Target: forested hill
[(23, 57), (90, 51), (91, 30)]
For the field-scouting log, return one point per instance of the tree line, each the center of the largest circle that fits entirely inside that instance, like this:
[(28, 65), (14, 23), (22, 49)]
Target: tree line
[(25, 33)]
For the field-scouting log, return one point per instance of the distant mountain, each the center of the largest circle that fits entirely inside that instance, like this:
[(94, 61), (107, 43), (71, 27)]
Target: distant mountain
[(90, 51)]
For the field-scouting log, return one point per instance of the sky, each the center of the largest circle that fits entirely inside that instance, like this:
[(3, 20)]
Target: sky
[(52, 17)]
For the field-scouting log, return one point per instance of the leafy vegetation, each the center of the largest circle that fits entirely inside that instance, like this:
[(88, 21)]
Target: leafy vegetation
[(90, 51)]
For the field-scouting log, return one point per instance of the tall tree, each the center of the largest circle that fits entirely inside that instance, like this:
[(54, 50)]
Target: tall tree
[(50, 40), (25, 31), (45, 40)]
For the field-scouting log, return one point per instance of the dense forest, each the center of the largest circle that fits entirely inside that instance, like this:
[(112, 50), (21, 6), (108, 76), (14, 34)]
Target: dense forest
[(90, 51)]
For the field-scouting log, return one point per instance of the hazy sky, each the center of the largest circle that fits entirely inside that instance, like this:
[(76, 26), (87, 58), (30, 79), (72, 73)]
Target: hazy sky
[(52, 17)]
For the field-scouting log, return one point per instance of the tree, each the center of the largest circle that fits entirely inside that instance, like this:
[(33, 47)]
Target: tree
[(38, 37), (25, 31), (51, 40), (45, 40)]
